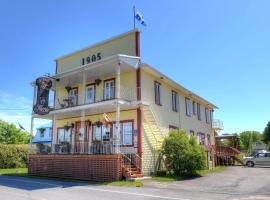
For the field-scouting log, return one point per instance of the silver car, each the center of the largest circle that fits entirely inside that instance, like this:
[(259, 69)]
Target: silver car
[(262, 159)]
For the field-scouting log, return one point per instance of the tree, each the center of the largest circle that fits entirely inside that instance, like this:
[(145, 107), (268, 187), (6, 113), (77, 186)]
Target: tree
[(183, 156), (247, 138), (266, 133), (9, 134)]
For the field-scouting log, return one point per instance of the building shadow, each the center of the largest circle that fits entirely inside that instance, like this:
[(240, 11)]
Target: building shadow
[(36, 183)]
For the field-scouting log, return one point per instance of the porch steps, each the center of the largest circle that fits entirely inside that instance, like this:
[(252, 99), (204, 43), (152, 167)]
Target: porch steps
[(132, 172)]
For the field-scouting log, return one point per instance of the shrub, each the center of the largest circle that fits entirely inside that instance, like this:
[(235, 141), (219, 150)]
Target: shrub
[(13, 156), (183, 156)]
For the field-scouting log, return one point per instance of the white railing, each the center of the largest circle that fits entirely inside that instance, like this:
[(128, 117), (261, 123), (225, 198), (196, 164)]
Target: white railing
[(105, 94), (217, 124)]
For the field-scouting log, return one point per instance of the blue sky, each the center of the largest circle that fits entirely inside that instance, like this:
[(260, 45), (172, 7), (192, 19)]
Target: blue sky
[(218, 49)]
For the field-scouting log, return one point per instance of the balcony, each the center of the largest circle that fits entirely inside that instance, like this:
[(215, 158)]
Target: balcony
[(217, 124), (86, 89)]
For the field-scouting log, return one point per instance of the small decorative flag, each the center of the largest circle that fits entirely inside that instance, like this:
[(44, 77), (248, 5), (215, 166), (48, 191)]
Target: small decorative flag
[(106, 120), (140, 18), (21, 127)]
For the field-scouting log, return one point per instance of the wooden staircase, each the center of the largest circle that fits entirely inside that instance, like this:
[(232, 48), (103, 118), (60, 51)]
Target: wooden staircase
[(223, 153), (131, 166), (154, 132)]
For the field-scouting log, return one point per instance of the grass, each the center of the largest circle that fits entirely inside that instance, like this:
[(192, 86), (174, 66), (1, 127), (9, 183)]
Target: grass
[(24, 172), (14, 171), (199, 173)]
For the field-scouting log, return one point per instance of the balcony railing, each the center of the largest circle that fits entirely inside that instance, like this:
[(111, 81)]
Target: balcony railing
[(78, 148), (217, 124), (127, 94)]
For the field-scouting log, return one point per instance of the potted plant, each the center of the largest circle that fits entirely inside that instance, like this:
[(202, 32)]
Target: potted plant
[(65, 146)]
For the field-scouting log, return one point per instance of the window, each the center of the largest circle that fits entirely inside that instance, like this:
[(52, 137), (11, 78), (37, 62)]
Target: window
[(194, 108), (97, 133), (267, 155), (211, 116), (101, 134), (126, 133), (63, 135), (201, 138), (90, 93), (208, 139), (73, 96), (171, 127), (109, 89), (199, 111), (192, 133), (207, 115), (188, 107), (175, 101), (157, 93)]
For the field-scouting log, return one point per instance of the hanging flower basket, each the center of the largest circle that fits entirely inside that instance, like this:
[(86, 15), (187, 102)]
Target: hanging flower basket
[(98, 123)]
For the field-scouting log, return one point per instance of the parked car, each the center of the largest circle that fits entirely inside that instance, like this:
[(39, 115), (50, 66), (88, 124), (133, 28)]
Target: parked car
[(262, 158)]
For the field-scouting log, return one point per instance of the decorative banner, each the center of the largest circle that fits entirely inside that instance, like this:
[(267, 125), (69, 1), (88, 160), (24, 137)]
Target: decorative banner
[(42, 99)]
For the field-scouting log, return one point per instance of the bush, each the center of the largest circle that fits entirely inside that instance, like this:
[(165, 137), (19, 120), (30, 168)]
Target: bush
[(183, 156), (13, 156)]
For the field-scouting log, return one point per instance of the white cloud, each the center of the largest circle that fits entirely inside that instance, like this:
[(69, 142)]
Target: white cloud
[(17, 109)]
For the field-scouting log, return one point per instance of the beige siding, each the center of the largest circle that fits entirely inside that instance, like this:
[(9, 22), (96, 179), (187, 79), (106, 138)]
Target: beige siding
[(124, 44)]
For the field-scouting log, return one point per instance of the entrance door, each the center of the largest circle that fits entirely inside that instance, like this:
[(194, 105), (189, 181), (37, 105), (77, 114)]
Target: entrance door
[(90, 94), (81, 138)]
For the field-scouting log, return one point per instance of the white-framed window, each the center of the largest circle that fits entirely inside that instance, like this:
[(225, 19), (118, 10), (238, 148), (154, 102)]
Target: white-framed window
[(188, 107), (157, 93), (199, 111), (97, 133), (194, 108), (126, 133), (90, 93), (175, 101), (207, 115), (109, 89), (63, 135), (73, 96)]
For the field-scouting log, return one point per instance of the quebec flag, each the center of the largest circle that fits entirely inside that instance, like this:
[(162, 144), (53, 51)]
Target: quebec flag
[(140, 18)]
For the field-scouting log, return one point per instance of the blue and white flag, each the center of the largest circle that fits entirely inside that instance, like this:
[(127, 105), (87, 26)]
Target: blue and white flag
[(140, 18), (21, 127)]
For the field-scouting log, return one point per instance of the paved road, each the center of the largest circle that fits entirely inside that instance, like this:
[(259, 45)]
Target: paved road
[(236, 183)]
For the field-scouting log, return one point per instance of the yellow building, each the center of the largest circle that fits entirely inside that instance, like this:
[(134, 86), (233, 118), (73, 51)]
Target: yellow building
[(111, 113)]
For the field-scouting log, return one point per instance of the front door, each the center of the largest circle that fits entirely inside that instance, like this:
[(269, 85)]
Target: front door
[(81, 137), (90, 94)]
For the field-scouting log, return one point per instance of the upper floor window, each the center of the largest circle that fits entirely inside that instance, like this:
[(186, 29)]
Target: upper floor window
[(188, 107), (73, 96), (90, 93), (109, 89), (194, 108), (192, 133), (157, 93), (199, 111), (175, 101), (207, 115)]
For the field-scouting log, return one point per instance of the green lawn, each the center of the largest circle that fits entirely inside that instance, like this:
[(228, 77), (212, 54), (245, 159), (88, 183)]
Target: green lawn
[(24, 172), (14, 171), (199, 174)]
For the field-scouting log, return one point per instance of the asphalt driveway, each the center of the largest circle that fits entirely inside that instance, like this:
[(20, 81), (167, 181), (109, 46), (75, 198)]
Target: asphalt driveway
[(235, 183)]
